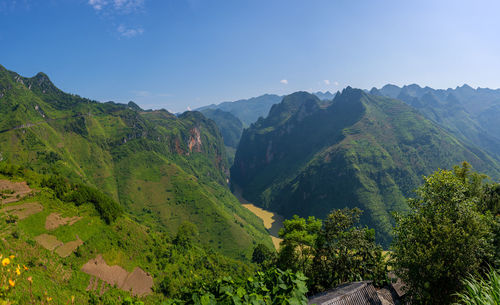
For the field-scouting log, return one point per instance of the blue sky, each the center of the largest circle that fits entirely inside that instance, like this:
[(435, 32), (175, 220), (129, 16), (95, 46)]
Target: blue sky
[(176, 54)]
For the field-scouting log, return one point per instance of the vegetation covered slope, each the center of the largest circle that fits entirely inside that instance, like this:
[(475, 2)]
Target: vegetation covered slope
[(469, 114), (162, 168), (249, 110), (230, 128), (360, 150), (173, 263)]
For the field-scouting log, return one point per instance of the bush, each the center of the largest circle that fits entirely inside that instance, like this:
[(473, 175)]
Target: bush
[(271, 287), (107, 208), (444, 238)]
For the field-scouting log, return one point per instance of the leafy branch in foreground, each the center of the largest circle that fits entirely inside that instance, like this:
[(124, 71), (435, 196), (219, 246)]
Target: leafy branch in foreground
[(267, 288), (482, 291)]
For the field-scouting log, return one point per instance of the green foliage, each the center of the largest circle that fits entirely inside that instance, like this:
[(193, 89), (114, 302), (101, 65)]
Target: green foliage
[(299, 236), (271, 287), (58, 184), (105, 205), (175, 268), (262, 254), (79, 194), (445, 237), (332, 252), (345, 253), (187, 234), (481, 291)]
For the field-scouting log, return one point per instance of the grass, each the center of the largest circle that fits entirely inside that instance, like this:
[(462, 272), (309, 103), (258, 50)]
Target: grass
[(125, 243), (481, 291)]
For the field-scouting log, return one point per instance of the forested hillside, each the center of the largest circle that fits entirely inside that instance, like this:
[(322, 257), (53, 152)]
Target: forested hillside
[(161, 168), (359, 150)]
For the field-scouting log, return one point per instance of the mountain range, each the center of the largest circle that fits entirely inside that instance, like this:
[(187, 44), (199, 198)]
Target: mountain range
[(471, 115), (162, 169), (310, 156), (247, 110)]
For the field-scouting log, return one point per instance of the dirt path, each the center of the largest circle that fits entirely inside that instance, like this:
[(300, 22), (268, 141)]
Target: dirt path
[(272, 221), (138, 281)]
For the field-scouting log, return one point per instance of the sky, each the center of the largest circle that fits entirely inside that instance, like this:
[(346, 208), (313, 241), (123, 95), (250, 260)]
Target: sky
[(182, 54)]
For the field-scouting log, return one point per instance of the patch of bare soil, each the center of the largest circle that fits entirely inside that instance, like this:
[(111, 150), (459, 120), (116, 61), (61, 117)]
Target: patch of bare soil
[(55, 220), (138, 281), (49, 242), (66, 249), (92, 283), (23, 210), (13, 191)]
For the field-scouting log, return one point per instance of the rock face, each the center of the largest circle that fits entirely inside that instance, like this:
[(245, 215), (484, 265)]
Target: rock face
[(359, 150), (195, 140)]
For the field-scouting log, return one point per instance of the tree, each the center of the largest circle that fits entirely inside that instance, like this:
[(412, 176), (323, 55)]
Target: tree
[(299, 236), (332, 251), (186, 235), (345, 253), (261, 253), (444, 237)]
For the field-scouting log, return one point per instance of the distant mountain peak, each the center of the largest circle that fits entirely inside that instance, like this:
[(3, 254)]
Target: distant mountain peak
[(465, 86), (327, 95)]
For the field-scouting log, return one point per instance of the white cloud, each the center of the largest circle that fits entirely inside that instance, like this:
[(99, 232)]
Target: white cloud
[(336, 83), (284, 81), (121, 6), (129, 32), (188, 108), (128, 5), (97, 4), (327, 82)]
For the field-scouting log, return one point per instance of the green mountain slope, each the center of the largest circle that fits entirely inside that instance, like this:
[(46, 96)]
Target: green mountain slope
[(230, 128), (52, 242), (162, 168), (308, 157), (469, 114), (249, 110)]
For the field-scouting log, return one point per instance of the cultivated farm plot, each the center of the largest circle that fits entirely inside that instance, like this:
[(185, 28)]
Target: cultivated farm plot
[(13, 191), (137, 281), (22, 211), (54, 220), (49, 242)]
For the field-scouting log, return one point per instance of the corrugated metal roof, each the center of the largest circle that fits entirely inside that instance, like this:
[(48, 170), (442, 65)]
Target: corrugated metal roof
[(358, 293)]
